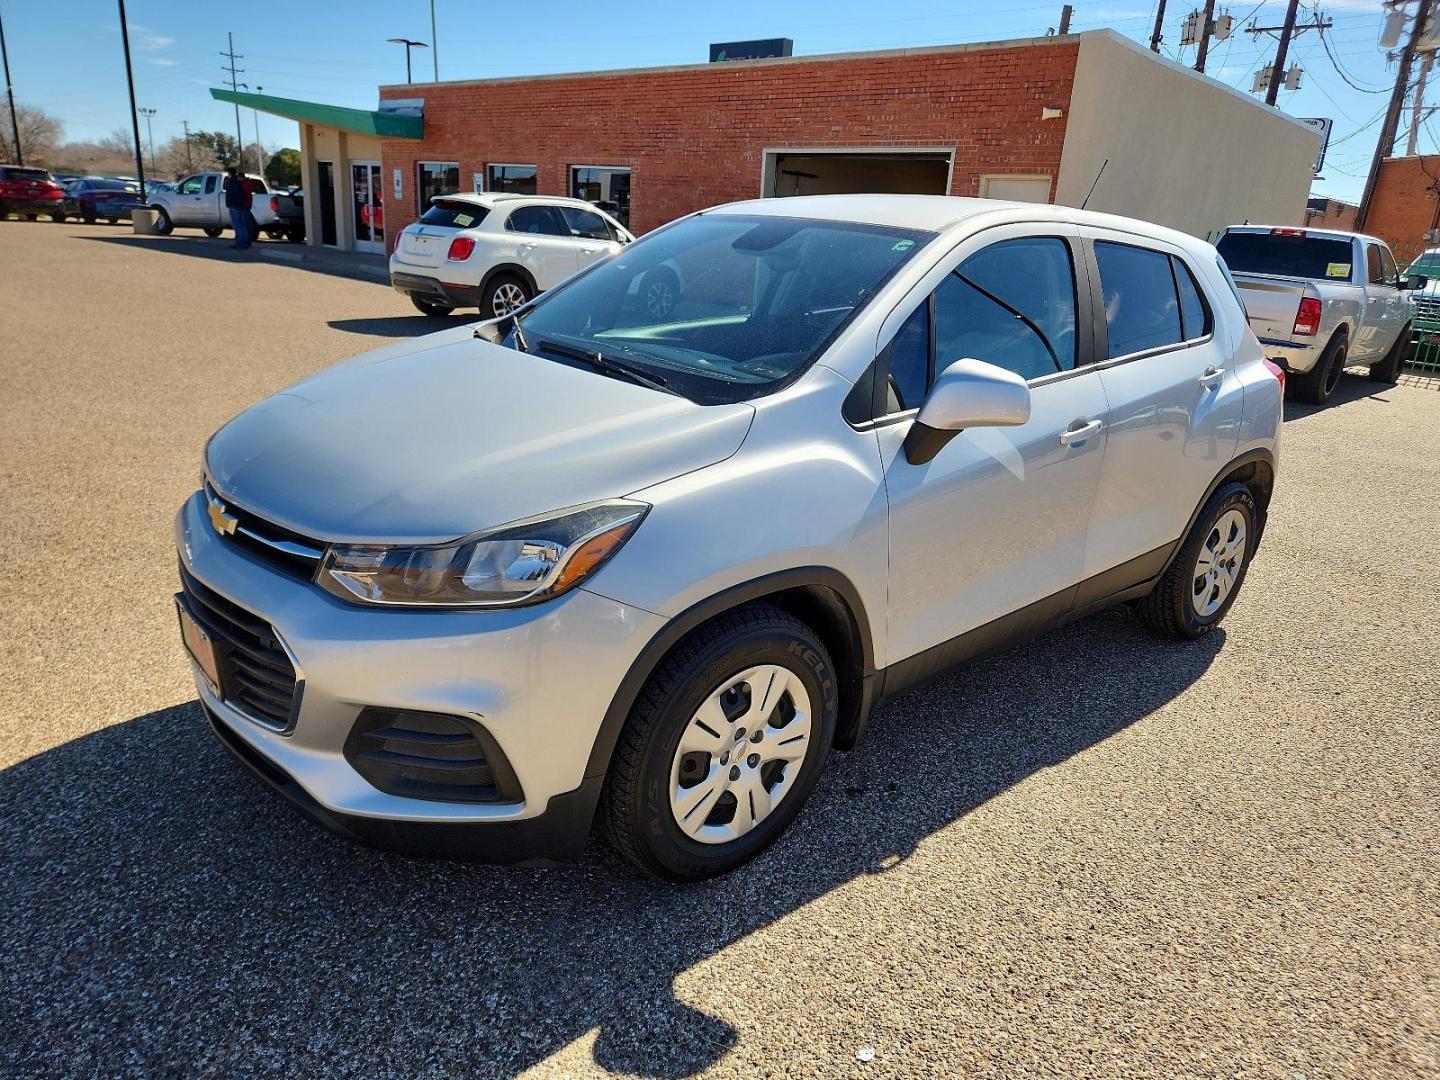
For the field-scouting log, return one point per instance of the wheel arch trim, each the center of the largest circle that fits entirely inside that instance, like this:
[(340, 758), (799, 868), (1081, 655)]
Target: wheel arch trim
[(509, 268), (1257, 457)]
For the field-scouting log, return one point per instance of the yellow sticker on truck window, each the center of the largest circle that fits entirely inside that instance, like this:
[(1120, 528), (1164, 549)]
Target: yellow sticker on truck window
[(1338, 270)]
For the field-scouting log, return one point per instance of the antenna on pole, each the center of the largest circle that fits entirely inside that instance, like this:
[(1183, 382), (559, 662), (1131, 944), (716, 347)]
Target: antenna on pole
[(1094, 182)]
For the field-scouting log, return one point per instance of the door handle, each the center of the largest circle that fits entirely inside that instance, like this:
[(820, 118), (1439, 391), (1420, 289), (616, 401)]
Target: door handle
[(1212, 378), (587, 251), (1080, 434)]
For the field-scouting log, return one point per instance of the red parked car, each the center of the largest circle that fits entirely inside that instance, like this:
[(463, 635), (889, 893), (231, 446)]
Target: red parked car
[(31, 192)]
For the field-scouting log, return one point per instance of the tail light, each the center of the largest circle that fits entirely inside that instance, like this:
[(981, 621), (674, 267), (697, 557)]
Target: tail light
[(1276, 370), (461, 248), (1307, 319), (1287, 232), (274, 204)]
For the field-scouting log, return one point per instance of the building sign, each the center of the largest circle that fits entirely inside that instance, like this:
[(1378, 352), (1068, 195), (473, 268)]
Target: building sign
[(751, 50), (399, 185), (1323, 126), (479, 179)]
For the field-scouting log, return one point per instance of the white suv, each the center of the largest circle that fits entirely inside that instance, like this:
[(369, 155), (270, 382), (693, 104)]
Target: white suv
[(497, 251), (469, 593)]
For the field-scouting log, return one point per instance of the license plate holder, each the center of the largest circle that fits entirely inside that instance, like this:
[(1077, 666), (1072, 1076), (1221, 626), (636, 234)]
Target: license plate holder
[(201, 647)]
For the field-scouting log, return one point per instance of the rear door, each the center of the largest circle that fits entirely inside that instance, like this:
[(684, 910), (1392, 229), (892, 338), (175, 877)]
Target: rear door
[(543, 243), (1175, 402)]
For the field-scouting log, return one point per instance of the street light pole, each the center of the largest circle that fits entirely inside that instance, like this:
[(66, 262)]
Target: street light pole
[(434, 42), (408, 46), (134, 115), (10, 92), (150, 136), (259, 147)]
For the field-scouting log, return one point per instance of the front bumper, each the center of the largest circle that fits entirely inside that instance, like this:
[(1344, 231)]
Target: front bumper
[(1299, 358), (429, 288), (538, 679)]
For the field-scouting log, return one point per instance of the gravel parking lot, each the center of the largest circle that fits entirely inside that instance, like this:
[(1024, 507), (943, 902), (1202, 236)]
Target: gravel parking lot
[(1099, 855)]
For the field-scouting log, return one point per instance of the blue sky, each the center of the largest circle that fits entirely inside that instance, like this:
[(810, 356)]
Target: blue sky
[(72, 66)]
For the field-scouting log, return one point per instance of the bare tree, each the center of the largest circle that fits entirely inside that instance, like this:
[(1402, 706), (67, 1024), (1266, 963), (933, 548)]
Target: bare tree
[(119, 143), (39, 134)]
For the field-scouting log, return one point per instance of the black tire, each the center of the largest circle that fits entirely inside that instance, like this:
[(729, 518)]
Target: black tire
[(32, 217), (1168, 609), (57, 215), (296, 236), (213, 231), (431, 308), (1388, 370), (1316, 385), (500, 294), (660, 292), (635, 812), (163, 225), (89, 219)]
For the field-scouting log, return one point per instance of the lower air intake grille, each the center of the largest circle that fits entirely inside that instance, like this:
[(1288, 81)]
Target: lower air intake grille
[(420, 755)]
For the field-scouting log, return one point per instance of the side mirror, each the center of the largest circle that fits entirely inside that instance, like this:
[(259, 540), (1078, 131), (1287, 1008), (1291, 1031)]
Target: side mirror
[(968, 393), (1414, 283)]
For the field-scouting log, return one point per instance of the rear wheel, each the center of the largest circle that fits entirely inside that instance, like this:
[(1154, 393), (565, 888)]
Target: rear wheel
[(504, 294), (213, 231), (431, 308), (1388, 370), (296, 236), (1317, 384), (163, 225), (1202, 582), (723, 746), (57, 215)]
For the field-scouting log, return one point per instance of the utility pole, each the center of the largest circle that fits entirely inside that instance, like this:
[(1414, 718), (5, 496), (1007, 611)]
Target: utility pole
[(189, 161), (1386, 142), (1065, 13), (1412, 145), (150, 136), (10, 92), (232, 56), (1281, 51), (259, 148), (1159, 23), (134, 115), (434, 43), (1207, 27)]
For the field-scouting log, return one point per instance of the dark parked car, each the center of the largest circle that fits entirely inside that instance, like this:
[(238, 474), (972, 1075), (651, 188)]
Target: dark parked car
[(30, 192), (92, 197)]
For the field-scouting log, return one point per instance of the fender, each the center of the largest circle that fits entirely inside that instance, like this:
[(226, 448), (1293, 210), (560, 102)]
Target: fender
[(852, 720), (509, 268)]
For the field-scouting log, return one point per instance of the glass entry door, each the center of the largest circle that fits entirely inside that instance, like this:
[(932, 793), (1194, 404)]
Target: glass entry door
[(368, 207)]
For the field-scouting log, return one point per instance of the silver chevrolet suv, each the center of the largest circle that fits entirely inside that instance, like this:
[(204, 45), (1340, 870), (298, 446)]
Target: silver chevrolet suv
[(473, 592)]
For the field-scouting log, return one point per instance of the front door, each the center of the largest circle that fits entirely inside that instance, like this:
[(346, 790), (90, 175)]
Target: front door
[(188, 203), (327, 203), (997, 521), (1175, 401), (368, 206)]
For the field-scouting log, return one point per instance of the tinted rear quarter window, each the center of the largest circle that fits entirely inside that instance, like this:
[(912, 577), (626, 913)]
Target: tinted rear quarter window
[(1194, 322), (454, 215), (1141, 308), (1287, 255)]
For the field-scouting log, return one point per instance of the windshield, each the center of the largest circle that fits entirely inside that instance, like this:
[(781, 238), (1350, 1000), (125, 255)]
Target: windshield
[(1287, 255), (724, 307), (1427, 265)]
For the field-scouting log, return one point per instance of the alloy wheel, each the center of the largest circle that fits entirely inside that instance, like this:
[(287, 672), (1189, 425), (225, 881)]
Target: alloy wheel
[(659, 298), (507, 298), (740, 754), (1218, 564)]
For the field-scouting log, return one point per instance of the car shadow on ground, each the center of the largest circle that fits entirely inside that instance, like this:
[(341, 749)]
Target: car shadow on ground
[(1354, 386), (395, 326), (166, 916), (358, 267)]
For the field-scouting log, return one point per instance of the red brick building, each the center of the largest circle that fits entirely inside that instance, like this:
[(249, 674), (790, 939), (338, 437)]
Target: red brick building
[(1405, 206)]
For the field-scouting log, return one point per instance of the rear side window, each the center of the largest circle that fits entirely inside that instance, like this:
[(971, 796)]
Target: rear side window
[(15, 172), (1287, 254), (210, 184), (455, 215), (1374, 274), (1194, 320), (545, 220), (1141, 308)]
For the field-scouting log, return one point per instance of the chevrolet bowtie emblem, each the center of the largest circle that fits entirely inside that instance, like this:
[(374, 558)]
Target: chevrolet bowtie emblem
[(225, 524)]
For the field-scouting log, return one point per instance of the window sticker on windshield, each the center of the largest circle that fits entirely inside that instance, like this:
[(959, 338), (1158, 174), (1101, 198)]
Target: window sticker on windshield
[(1337, 270), (465, 221), (903, 245)]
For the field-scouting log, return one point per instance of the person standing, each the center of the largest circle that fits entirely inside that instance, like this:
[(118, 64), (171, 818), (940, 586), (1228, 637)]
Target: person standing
[(237, 202)]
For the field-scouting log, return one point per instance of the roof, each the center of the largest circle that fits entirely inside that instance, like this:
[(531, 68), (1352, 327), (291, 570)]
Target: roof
[(388, 125), (489, 199)]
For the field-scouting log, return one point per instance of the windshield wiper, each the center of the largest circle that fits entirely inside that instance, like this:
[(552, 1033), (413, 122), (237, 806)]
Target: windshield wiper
[(519, 335), (607, 365)]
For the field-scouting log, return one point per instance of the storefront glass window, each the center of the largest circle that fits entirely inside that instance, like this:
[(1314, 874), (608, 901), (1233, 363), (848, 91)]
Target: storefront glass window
[(606, 186), (514, 179), (436, 178)]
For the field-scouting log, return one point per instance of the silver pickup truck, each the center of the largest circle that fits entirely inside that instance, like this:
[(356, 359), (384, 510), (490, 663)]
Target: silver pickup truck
[(199, 201), (1322, 300)]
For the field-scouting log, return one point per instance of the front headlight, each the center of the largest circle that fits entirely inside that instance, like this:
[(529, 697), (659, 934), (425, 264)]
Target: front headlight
[(520, 563)]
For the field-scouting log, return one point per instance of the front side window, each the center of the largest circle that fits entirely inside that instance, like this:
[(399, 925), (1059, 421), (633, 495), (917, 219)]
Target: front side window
[(436, 178), (585, 224), (1387, 267), (544, 220), (1142, 310), (190, 186), (608, 187), (512, 179), (751, 301)]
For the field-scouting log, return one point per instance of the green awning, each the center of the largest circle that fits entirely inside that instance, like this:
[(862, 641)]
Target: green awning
[(386, 125)]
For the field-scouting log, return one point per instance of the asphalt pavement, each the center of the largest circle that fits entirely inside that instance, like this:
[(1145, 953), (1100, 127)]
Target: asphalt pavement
[(1099, 855)]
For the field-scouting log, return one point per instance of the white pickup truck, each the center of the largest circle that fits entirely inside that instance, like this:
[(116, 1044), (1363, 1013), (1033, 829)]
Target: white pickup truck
[(1322, 300), (198, 201)]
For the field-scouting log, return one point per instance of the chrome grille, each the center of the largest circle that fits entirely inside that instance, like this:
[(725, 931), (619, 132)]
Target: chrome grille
[(275, 544)]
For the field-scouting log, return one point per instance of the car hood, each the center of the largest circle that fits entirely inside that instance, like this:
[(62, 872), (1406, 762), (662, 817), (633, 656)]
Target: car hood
[(432, 439)]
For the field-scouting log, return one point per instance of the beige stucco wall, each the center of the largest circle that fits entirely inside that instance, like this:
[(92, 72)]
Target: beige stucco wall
[(341, 147), (1185, 151)]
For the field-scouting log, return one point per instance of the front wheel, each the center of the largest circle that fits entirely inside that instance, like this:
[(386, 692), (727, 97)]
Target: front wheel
[(1204, 579), (163, 225), (504, 294), (1388, 370), (431, 308), (723, 745), (1316, 385), (213, 231)]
